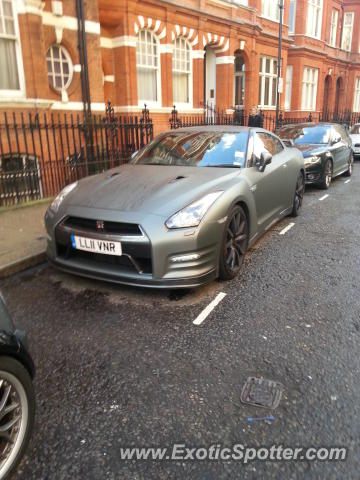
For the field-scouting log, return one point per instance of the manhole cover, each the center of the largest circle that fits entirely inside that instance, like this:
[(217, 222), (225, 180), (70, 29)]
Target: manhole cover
[(261, 392)]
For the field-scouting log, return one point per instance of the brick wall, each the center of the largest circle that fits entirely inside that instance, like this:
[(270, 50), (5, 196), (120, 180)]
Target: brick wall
[(221, 26)]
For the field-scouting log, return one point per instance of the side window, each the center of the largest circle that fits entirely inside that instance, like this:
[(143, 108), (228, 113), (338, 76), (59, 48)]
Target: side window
[(340, 131), (266, 142)]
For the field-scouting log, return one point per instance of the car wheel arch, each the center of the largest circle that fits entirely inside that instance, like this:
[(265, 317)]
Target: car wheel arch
[(244, 206)]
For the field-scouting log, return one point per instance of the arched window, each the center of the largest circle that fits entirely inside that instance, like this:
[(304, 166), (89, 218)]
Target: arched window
[(59, 67), (181, 71), (239, 80), (147, 67)]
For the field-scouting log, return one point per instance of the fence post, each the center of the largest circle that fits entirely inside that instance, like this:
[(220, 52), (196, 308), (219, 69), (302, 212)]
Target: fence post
[(174, 120), (110, 124), (145, 126), (310, 119)]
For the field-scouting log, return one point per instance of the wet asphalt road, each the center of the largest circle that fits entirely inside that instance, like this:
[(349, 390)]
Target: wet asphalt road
[(125, 367)]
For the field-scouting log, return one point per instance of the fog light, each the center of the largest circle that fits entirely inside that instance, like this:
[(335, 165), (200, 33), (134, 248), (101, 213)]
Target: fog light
[(185, 258), (311, 177)]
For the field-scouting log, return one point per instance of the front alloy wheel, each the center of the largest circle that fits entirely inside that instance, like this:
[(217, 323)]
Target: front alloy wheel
[(299, 195), (327, 175), (17, 409), (234, 244)]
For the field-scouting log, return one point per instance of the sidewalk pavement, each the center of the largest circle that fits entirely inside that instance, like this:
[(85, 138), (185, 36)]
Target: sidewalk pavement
[(22, 237)]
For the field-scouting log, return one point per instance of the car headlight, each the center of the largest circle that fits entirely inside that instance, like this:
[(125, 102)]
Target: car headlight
[(55, 204), (312, 160), (192, 215)]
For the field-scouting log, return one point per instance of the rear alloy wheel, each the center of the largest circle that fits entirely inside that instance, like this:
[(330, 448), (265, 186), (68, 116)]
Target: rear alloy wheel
[(327, 175), (17, 410), (350, 170), (299, 195), (234, 244)]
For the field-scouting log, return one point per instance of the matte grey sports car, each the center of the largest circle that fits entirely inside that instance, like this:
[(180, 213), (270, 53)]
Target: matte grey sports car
[(182, 213)]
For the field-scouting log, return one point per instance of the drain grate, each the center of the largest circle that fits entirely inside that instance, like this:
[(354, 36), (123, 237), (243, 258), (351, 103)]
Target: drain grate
[(261, 392)]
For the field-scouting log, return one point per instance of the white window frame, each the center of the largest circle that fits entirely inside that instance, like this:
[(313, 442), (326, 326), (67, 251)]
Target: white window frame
[(239, 74), (270, 10), (20, 92), (333, 27), (343, 46), (314, 25), (288, 87), (188, 104), (263, 75), (309, 89), (141, 101), (292, 27), (49, 57), (356, 106)]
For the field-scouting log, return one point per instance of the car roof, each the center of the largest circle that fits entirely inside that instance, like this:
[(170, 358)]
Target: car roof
[(217, 128), (311, 124)]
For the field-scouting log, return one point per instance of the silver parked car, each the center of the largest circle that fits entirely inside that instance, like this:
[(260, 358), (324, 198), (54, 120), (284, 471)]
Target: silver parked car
[(182, 213), (355, 138)]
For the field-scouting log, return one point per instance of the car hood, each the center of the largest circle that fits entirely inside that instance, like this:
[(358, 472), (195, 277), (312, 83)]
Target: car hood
[(160, 190), (355, 137), (308, 149)]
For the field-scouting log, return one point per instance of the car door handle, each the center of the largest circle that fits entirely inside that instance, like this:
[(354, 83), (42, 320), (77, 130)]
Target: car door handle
[(285, 165)]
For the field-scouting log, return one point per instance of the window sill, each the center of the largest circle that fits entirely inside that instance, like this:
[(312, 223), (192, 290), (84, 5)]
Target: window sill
[(271, 19), (313, 37), (12, 94), (149, 104), (183, 106), (266, 107)]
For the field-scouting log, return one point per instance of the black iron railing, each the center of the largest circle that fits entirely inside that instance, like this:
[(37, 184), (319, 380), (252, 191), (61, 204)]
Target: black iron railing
[(259, 118), (40, 154)]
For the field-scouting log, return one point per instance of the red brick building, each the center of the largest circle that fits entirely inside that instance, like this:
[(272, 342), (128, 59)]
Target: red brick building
[(220, 52)]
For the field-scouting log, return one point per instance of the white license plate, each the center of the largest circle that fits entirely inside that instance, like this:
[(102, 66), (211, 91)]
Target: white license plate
[(107, 247)]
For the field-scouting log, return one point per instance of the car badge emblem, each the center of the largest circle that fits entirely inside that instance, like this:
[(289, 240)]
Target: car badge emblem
[(99, 224)]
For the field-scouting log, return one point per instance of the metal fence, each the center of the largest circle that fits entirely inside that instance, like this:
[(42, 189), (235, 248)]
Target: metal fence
[(40, 154), (263, 119)]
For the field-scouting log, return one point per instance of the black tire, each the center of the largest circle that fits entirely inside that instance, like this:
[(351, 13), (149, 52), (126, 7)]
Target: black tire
[(327, 175), (16, 378), (234, 243), (299, 195), (349, 172)]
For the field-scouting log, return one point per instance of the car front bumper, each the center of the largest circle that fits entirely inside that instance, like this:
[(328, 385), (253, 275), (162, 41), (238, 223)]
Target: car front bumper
[(313, 173), (150, 259), (356, 151)]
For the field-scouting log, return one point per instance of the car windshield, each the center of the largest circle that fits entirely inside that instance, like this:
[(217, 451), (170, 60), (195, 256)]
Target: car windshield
[(319, 135), (355, 130), (196, 149)]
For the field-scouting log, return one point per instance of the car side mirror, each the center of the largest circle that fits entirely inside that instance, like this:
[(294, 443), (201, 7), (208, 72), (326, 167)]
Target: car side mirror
[(289, 142), (265, 159), (336, 140)]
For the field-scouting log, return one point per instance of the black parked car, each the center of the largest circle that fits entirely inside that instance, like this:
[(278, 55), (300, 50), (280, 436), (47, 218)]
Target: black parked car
[(327, 150), (17, 399)]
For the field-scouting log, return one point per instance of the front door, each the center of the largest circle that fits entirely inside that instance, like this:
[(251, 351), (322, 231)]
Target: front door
[(210, 77)]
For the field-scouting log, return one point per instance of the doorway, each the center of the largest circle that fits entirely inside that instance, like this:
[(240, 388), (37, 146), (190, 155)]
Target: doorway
[(326, 106), (339, 88)]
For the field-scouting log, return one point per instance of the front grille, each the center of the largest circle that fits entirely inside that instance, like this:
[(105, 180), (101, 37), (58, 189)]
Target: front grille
[(115, 228), (122, 262), (140, 253)]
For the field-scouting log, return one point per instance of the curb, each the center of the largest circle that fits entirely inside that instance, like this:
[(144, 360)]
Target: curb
[(23, 264)]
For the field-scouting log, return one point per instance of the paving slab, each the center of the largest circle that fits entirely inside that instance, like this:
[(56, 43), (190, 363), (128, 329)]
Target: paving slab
[(22, 237)]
